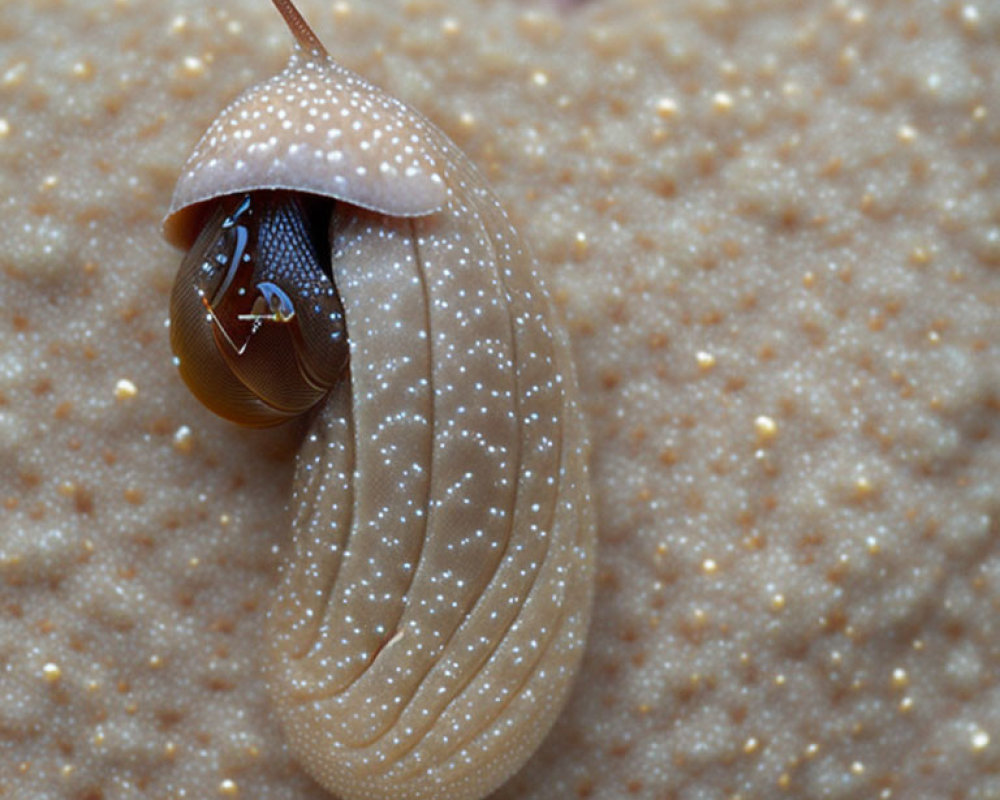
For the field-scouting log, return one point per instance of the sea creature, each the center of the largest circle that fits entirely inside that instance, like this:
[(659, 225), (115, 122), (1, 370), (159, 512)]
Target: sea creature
[(345, 256)]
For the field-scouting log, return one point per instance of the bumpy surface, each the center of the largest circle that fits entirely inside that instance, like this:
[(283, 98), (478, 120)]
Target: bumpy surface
[(774, 233)]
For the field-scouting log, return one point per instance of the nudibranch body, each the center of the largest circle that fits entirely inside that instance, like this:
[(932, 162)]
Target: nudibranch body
[(434, 600)]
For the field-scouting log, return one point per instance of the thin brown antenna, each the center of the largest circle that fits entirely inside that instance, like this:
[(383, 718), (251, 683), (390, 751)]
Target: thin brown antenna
[(300, 29)]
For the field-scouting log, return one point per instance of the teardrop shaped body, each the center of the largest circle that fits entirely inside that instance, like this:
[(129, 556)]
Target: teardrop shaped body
[(434, 599)]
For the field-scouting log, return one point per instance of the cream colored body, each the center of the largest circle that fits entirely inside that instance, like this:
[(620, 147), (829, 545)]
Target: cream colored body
[(435, 598), (434, 605)]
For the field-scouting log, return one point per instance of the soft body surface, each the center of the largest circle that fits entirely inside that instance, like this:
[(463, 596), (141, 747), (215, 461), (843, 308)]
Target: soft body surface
[(773, 230)]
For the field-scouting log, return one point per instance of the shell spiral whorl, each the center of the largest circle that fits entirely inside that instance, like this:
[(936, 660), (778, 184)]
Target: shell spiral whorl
[(434, 601)]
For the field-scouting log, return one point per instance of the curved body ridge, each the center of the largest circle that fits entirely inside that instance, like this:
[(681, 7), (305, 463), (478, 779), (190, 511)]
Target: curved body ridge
[(434, 609)]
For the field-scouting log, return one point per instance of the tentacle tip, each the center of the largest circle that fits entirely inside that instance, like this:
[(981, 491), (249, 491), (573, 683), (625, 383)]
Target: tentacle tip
[(304, 35)]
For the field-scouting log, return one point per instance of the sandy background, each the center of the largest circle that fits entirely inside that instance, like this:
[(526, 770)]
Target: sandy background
[(774, 231)]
